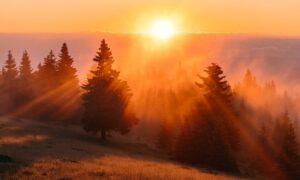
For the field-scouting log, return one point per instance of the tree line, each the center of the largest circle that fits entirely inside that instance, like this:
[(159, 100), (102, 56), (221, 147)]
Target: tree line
[(225, 130), (43, 93), (52, 92)]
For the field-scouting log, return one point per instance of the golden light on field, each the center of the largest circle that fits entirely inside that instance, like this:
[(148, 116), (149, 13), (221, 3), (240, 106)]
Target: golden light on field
[(162, 29)]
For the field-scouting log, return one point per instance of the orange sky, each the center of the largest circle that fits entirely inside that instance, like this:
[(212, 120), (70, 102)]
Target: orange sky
[(130, 16)]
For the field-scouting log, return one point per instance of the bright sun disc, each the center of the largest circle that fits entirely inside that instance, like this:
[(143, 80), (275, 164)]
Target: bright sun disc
[(162, 29)]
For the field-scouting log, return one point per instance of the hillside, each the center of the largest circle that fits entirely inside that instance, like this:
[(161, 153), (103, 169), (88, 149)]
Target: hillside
[(42, 151)]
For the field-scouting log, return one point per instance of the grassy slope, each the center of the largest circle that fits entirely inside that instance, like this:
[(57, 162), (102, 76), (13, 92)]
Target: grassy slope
[(42, 151)]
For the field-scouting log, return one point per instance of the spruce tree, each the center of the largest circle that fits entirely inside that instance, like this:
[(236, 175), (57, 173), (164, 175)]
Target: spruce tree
[(49, 66), (106, 97), (25, 89), (48, 73), (65, 69), (249, 80), (10, 72), (290, 152), (25, 68), (218, 132), (290, 143), (46, 90), (68, 100)]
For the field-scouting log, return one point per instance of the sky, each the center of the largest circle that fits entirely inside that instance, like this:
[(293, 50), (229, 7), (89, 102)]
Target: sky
[(134, 16)]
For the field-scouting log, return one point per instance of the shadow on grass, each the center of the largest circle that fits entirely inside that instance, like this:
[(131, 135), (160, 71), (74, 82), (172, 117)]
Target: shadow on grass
[(21, 141)]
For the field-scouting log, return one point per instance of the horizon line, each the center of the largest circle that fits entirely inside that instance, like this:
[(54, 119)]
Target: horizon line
[(274, 35)]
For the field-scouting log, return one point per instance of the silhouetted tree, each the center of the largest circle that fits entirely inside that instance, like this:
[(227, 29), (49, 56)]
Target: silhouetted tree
[(249, 79), (25, 89), (218, 132), (65, 69), (10, 71), (279, 131), (68, 95), (47, 74), (10, 74), (270, 88), (288, 155), (46, 88), (209, 137), (25, 68), (106, 97)]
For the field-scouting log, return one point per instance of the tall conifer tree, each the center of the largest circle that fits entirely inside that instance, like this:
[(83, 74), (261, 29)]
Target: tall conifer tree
[(106, 97), (25, 68), (10, 74), (218, 133), (25, 88), (48, 73), (289, 153), (65, 69), (10, 69), (68, 100)]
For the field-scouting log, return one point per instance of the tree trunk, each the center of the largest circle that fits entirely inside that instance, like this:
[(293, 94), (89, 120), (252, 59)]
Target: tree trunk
[(103, 135)]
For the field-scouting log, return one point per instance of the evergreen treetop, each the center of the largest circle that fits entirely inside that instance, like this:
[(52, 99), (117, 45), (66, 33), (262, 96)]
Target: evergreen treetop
[(25, 67), (10, 68), (106, 97), (215, 86), (65, 69)]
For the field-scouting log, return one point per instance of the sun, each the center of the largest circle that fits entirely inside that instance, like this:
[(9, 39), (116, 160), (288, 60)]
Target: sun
[(162, 29)]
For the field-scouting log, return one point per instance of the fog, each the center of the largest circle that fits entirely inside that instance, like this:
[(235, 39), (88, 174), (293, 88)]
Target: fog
[(161, 74), (268, 57)]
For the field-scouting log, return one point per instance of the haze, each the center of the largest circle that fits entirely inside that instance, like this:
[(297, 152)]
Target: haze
[(250, 16), (159, 89)]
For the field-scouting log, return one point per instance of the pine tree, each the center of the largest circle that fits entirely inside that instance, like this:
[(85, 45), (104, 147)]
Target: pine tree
[(10, 73), (25, 89), (250, 88), (65, 70), (10, 69), (290, 156), (46, 89), (68, 100), (49, 66), (280, 129), (249, 80), (270, 88), (219, 127), (106, 97), (215, 85), (25, 68), (48, 73), (290, 144)]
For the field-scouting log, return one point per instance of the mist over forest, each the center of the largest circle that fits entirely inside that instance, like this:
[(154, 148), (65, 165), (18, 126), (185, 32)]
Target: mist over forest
[(269, 57), (170, 65), (231, 97)]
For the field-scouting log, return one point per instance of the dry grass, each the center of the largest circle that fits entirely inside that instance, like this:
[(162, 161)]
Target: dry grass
[(43, 151), (110, 167)]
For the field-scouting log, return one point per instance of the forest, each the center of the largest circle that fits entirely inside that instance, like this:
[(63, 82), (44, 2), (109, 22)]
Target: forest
[(245, 128)]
